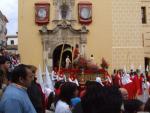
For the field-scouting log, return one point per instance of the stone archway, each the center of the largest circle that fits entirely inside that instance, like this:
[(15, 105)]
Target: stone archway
[(67, 51), (63, 33)]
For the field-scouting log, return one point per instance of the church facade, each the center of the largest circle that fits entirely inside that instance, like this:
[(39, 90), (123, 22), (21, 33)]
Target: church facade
[(104, 29)]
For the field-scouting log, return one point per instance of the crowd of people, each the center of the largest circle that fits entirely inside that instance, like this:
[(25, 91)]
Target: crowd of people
[(22, 93), (8, 61), (137, 83)]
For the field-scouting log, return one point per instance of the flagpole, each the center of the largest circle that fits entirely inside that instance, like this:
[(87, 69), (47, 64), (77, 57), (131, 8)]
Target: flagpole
[(61, 56), (73, 53), (40, 78), (73, 56), (44, 52)]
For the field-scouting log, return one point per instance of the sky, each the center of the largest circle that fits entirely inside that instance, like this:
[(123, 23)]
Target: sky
[(10, 9)]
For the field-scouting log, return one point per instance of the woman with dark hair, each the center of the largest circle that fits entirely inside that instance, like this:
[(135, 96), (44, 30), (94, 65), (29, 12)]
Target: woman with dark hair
[(98, 99), (101, 100), (4, 72), (87, 84), (67, 92), (133, 106), (51, 99), (57, 87), (57, 91)]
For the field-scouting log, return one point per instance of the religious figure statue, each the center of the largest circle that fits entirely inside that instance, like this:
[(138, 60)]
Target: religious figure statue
[(64, 9), (68, 62)]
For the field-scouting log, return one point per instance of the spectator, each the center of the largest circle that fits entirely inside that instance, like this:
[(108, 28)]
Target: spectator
[(4, 66), (67, 92), (15, 98), (51, 99), (76, 99), (57, 87), (133, 106), (98, 99), (35, 93), (124, 93), (82, 92)]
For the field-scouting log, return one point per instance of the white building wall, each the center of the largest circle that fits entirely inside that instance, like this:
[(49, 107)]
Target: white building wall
[(14, 39)]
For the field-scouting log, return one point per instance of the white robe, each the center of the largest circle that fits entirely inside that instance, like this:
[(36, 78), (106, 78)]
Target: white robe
[(61, 78), (74, 81), (126, 79), (54, 77), (67, 62), (62, 107)]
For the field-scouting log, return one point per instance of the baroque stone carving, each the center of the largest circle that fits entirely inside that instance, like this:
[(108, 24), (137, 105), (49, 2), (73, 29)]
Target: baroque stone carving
[(63, 32), (64, 9)]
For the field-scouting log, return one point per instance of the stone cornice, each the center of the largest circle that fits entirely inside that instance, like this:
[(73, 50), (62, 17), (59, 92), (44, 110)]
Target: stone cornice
[(64, 25)]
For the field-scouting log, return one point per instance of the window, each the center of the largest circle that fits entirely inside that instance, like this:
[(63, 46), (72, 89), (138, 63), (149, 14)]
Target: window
[(12, 42), (143, 11)]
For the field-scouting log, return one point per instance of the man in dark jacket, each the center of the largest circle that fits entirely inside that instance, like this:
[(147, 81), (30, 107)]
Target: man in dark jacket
[(35, 94)]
